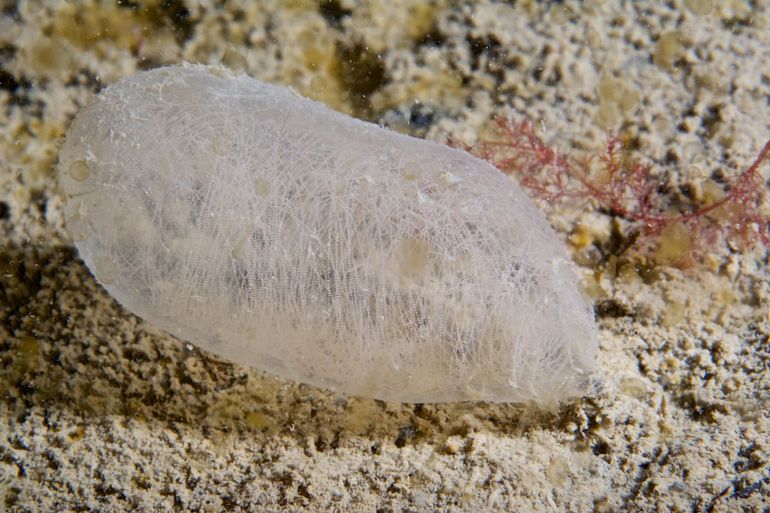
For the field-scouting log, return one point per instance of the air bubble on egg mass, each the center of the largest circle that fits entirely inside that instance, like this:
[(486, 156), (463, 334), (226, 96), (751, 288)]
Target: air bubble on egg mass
[(273, 231)]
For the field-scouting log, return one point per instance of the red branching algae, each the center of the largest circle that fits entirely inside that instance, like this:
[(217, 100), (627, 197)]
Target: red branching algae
[(627, 189)]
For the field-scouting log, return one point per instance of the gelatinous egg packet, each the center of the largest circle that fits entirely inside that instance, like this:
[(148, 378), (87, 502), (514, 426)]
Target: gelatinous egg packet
[(273, 231)]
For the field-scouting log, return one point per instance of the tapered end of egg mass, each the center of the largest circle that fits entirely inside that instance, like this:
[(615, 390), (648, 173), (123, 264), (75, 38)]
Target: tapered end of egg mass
[(271, 230)]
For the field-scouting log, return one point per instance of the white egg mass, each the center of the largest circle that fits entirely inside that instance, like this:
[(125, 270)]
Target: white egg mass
[(271, 230)]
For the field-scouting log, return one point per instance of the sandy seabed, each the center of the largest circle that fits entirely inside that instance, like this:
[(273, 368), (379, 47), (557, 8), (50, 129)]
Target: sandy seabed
[(102, 412)]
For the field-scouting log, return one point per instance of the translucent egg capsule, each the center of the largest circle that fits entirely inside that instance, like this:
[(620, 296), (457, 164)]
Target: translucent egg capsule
[(271, 230)]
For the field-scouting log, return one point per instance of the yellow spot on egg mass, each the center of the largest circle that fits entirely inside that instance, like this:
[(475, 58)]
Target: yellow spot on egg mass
[(411, 171), (105, 269), (79, 171), (413, 256), (262, 187), (79, 227)]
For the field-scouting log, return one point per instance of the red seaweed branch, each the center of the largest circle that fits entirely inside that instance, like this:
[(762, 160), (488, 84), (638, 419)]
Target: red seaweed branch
[(629, 190)]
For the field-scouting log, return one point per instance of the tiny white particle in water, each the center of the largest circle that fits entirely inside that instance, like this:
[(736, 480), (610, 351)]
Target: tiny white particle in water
[(267, 228)]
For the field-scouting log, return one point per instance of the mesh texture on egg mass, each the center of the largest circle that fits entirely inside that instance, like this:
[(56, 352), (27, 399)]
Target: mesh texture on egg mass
[(271, 230)]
